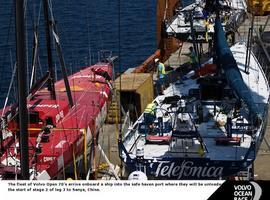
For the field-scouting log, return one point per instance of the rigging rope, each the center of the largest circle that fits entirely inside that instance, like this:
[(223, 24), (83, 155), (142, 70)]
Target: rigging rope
[(74, 162), (120, 80), (85, 149), (99, 28), (9, 88), (35, 59), (14, 83), (88, 37), (7, 41)]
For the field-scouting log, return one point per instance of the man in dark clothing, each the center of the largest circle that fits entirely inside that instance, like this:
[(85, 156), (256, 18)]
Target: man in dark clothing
[(193, 58)]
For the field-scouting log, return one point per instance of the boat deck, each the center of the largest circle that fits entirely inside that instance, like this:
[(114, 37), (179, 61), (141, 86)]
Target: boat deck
[(263, 159), (209, 131)]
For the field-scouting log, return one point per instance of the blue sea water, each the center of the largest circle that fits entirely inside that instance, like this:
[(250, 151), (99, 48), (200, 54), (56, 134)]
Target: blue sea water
[(85, 27)]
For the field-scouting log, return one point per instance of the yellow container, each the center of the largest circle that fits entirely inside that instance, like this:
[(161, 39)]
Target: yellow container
[(259, 7), (136, 90)]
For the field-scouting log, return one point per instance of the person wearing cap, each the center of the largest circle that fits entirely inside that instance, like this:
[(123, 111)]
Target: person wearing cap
[(193, 58), (160, 73)]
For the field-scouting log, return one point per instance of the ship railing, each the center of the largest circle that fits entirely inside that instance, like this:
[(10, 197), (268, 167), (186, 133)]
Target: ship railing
[(129, 132), (126, 124), (203, 145), (187, 153), (129, 129), (132, 135)]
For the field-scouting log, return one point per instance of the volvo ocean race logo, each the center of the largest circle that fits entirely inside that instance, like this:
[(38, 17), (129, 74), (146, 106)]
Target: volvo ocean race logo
[(186, 169), (250, 191)]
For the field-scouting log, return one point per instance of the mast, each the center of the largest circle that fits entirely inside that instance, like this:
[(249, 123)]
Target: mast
[(51, 87), (192, 32), (63, 65), (234, 78), (23, 117), (49, 50)]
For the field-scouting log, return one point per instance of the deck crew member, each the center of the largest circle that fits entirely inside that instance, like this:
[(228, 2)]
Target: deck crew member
[(160, 74), (104, 74), (193, 58), (150, 114), (206, 22)]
